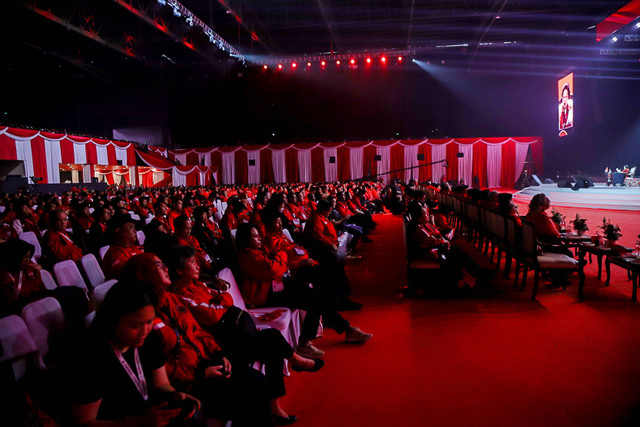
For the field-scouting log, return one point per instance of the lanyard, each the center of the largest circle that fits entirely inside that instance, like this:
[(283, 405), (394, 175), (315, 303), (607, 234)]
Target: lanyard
[(19, 284), (138, 380)]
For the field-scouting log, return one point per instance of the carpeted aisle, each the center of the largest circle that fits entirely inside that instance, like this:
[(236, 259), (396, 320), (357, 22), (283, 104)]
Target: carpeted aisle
[(494, 358)]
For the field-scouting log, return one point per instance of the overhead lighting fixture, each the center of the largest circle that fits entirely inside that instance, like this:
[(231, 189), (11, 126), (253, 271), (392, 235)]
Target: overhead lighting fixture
[(323, 63), (638, 25), (352, 61), (614, 39), (265, 66), (368, 60), (338, 62), (294, 65), (279, 66), (383, 59), (308, 64), (162, 2), (190, 21)]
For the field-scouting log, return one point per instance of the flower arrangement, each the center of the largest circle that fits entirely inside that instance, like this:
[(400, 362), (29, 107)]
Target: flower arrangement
[(611, 232), (579, 224), (557, 217)]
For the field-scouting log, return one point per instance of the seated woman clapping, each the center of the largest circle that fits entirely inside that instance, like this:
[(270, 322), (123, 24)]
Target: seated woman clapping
[(195, 362), (118, 377), (212, 307)]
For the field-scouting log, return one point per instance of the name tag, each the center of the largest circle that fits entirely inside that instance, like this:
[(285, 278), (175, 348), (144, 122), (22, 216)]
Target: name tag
[(277, 286), (300, 251)]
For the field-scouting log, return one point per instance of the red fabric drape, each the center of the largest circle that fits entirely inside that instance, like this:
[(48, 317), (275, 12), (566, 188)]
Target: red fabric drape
[(425, 171), (396, 162), (67, 151), (111, 155), (193, 159), (216, 162), (480, 163), (317, 165), (452, 159), (538, 156), (92, 155), (7, 148), (344, 162), (508, 177), (242, 167), (291, 157), (146, 179), (266, 166), (368, 163), (192, 178), (39, 159)]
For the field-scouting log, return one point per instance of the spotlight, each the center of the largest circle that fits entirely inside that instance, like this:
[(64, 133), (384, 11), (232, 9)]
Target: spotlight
[(352, 61), (614, 39), (323, 63), (638, 25), (265, 66), (400, 59), (442, 62), (190, 21), (294, 65), (383, 59), (279, 66), (308, 64), (338, 62), (368, 60)]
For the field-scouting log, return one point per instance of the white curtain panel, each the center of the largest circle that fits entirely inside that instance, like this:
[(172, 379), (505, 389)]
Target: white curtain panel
[(254, 171), (102, 154), (330, 169), (182, 158), (133, 176), (383, 165), (410, 160), (157, 176), (80, 153), (86, 173), (521, 157), (465, 164), (178, 178), (204, 159), (494, 165), (279, 163), (304, 165), (75, 176), (23, 152), (54, 158), (202, 177), (438, 152), (121, 154), (215, 176), (356, 162), (228, 168)]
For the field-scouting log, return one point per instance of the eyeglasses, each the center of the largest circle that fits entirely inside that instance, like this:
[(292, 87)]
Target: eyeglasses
[(161, 265)]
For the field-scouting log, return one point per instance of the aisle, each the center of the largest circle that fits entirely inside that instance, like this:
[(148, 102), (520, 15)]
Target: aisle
[(496, 359)]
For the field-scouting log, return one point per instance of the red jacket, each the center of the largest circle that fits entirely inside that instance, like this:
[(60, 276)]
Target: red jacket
[(58, 246), (116, 257), (259, 270), (276, 241), (320, 230), (30, 285), (201, 255), (543, 225), (206, 305)]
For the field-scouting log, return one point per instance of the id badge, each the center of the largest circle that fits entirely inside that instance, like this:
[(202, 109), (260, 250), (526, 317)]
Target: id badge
[(277, 286)]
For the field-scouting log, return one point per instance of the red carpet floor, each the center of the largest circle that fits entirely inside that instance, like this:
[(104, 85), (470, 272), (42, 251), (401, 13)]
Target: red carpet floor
[(494, 358)]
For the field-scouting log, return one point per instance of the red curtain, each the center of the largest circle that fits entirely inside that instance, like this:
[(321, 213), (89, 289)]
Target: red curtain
[(242, 167), (111, 154), (291, 157), (369, 164), (216, 163), (344, 162), (266, 166), (396, 162), (193, 159), (92, 155), (538, 157), (7, 148), (508, 177), (67, 151), (317, 165), (480, 163), (425, 171), (452, 159), (39, 159)]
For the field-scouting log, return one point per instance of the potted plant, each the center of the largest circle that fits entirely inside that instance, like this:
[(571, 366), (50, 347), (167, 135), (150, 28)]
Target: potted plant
[(580, 225), (611, 231), (557, 218)]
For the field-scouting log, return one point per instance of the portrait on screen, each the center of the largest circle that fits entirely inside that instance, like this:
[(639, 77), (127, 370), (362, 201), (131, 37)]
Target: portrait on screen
[(565, 104)]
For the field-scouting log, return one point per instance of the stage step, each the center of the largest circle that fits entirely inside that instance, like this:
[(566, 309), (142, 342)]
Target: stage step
[(598, 197)]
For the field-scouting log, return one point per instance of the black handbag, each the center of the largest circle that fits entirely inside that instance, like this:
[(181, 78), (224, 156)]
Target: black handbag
[(237, 334)]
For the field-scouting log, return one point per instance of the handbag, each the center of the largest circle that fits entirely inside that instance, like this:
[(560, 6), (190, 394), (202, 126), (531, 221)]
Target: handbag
[(237, 334)]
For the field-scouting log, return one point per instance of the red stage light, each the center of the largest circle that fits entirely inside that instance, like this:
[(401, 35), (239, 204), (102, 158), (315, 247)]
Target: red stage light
[(352, 61), (399, 58), (279, 66), (323, 63), (308, 64), (265, 66), (368, 60), (383, 59), (338, 62), (294, 65)]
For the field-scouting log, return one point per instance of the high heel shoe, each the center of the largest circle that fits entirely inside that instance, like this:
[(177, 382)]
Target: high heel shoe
[(317, 365)]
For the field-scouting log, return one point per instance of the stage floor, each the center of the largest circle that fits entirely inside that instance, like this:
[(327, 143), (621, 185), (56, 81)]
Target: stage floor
[(598, 197)]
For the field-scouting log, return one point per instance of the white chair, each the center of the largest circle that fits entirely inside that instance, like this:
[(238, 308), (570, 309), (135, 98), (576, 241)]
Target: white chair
[(632, 172), (93, 271), (287, 234), (43, 317), (18, 347), (2, 208), (30, 237), (223, 207), (148, 220), (48, 280), (103, 250), (135, 217), (99, 292), (141, 237), (67, 274)]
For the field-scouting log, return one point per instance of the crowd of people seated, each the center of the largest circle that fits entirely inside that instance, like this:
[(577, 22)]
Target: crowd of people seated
[(168, 344)]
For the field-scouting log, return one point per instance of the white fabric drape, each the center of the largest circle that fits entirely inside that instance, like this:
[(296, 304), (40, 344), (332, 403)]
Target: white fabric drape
[(356, 162), (304, 165), (383, 165), (494, 165), (330, 169), (75, 175), (80, 153), (121, 154), (157, 176), (279, 163), (133, 176), (521, 158), (54, 158), (253, 172), (204, 159), (102, 154), (214, 176), (23, 152), (465, 164), (86, 173), (228, 168), (181, 159), (438, 152), (202, 177), (410, 161), (178, 178)]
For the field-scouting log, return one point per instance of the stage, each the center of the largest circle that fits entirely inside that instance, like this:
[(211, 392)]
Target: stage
[(598, 197)]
